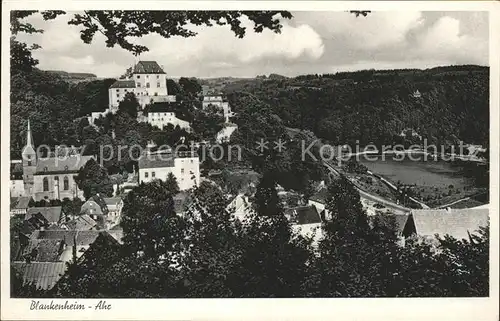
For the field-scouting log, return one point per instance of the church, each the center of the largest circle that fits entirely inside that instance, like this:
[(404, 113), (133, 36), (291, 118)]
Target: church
[(50, 177)]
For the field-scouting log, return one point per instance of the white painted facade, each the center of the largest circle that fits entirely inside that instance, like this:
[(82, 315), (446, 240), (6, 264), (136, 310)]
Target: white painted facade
[(218, 102), (162, 119), (185, 169)]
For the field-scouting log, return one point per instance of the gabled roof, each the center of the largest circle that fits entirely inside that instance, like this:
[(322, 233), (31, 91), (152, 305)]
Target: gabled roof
[(42, 274), (303, 215), (62, 165), (458, 223), (320, 196), (91, 207), (123, 84), (82, 223), (52, 214), (83, 238), (156, 161), (22, 202), (112, 201), (43, 250), (148, 67)]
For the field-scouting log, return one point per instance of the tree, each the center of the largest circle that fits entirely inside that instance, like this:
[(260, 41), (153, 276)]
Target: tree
[(149, 221), (207, 123), (171, 184), (129, 105), (266, 199), (93, 179), (190, 88)]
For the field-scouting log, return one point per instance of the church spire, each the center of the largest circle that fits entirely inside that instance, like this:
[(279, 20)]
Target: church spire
[(29, 138)]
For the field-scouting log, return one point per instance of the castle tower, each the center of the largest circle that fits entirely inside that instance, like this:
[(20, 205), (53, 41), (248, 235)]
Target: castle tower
[(29, 162)]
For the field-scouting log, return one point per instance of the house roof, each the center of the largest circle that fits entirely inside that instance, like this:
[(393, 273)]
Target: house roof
[(123, 84), (43, 250), (91, 207), (161, 107), (42, 274), (52, 214), (22, 202), (320, 196), (62, 165), (83, 238), (112, 201), (156, 160), (303, 214), (182, 200), (148, 67), (458, 223), (82, 223)]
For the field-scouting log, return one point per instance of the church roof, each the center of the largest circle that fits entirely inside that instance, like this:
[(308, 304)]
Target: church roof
[(148, 67), (61, 165), (123, 84)]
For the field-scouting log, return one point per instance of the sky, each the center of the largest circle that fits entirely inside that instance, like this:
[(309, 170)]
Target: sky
[(311, 42)]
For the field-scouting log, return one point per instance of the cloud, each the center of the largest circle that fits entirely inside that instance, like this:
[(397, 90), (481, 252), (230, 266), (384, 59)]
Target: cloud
[(444, 40), (220, 45), (311, 42)]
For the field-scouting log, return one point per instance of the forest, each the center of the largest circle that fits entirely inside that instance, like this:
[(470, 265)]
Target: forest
[(375, 106)]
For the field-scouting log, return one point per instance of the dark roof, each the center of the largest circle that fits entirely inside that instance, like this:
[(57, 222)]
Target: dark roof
[(112, 201), (82, 237), (303, 214), (320, 196), (148, 67), (52, 214), (457, 223), (161, 107), (182, 201), (22, 202), (42, 274), (62, 165), (123, 84), (156, 160), (91, 207), (43, 250), (82, 223)]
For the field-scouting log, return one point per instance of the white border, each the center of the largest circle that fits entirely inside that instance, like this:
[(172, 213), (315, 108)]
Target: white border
[(264, 309)]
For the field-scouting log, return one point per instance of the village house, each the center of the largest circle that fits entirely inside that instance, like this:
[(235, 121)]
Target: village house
[(82, 223), (161, 115), (306, 221), (240, 206), (220, 102), (19, 205), (43, 275), (458, 223), (53, 214), (185, 166), (318, 200)]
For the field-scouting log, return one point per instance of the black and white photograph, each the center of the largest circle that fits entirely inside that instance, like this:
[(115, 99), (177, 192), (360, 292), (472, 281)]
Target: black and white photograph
[(247, 154)]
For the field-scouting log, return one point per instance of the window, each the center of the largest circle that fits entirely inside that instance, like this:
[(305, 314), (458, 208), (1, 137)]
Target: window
[(147, 76), (126, 90), (56, 178), (146, 174), (158, 84), (147, 85), (117, 89), (138, 76), (29, 163), (157, 76), (66, 183), (152, 174), (117, 95), (45, 169), (156, 94), (66, 167), (182, 170), (191, 161), (45, 184), (138, 84)]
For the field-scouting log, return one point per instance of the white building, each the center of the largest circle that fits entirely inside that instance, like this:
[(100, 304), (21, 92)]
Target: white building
[(219, 102), (148, 82), (16, 188), (161, 114), (185, 166)]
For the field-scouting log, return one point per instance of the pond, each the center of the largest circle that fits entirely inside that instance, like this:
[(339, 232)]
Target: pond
[(433, 173)]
